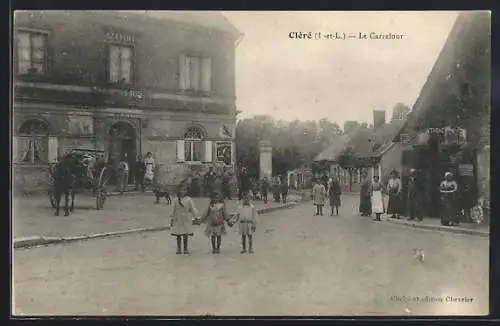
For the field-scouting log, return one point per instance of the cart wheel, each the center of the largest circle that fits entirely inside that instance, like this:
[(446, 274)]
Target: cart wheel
[(52, 197)]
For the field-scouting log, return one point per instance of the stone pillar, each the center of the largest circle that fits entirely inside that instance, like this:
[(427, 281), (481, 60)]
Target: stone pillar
[(265, 159)]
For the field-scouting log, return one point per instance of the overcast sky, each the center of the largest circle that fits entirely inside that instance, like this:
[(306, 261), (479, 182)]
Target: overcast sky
[(340, 80)]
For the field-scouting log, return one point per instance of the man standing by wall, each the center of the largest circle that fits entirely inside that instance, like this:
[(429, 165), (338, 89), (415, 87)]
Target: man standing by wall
[(123, 169)]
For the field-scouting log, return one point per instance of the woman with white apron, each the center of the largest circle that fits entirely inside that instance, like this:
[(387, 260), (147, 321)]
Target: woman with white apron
[(377, 198), (149, 174)]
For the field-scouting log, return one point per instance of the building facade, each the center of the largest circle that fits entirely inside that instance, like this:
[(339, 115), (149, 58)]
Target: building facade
[(448, 129), (123, 83)]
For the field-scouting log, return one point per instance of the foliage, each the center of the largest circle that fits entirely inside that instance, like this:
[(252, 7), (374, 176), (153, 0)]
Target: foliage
[(295, 143)]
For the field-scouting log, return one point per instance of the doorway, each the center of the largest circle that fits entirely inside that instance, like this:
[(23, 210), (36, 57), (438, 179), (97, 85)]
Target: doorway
[(122, 144)]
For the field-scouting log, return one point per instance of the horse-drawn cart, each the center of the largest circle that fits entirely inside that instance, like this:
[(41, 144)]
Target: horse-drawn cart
[(89, 172)]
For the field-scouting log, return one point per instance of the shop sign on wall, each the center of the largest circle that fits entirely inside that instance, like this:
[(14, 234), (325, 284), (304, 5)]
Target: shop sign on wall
[(224, 152), (120, 37), (449, 135)]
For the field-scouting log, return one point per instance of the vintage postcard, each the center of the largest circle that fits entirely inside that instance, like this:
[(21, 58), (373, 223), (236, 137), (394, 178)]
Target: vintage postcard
[(250, 163)]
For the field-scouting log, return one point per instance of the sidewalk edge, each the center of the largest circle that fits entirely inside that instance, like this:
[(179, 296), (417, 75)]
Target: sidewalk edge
[(28, 242), (451, 229)]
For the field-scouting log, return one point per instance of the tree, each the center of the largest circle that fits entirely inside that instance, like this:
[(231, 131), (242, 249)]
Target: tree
[(295, 143)]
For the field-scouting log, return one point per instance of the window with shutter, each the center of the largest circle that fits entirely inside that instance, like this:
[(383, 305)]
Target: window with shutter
[(120, 63), (52, 149), (208, 151), (195, 73), (31, 52), (33, 142), (183, 66), (194, 146), (206, 81)]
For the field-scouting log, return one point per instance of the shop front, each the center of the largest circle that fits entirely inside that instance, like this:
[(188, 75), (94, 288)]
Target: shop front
[(434, 152)]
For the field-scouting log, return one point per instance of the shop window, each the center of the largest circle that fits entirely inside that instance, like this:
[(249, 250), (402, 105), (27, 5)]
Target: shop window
[(32, 142), (31, 52), (195, 73), (120, 63)]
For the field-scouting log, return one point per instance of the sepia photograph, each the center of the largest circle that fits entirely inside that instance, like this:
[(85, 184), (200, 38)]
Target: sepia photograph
[(250, 163)]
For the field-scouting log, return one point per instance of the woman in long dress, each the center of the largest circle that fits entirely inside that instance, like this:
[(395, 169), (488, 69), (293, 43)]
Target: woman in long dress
[(182, 218), (394, 189), (448, 190), (377, 198), (150, 164), (365, 203), (334, 192)]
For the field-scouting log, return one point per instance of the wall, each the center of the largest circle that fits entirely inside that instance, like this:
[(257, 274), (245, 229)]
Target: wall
[(29, 179), (392, 160)]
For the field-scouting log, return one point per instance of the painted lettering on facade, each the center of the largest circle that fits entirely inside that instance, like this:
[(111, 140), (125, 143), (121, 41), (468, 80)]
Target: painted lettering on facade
[(120, 37)]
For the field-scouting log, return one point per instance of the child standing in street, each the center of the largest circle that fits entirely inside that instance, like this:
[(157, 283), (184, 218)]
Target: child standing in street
[(247, 216), (181, 219), (215, 218)]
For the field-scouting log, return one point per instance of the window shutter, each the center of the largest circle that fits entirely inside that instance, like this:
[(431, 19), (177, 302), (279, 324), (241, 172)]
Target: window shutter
[(52, 150), (208, 151), (182, 71), (180, 151), (206, 74)]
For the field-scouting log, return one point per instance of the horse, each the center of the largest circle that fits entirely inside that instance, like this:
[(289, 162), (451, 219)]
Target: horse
[(65, 175)]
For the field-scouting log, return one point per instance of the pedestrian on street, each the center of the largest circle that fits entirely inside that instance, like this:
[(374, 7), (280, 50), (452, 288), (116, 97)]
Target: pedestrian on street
[(284, 189), (365, 201), (255, 189), (150, 165), (319, 196), (264, 188), (394, 189), (182, 217), (217, 189), (449, 190), (334, 192), (140, 170), (245, 184), (415, 199), (226, 184), (209, 182), (324, 180), (247, 220), (215, 219), (123, 173), (377, 191), (276, 189)]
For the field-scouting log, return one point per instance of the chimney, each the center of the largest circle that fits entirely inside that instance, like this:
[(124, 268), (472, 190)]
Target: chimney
[(378, 118)]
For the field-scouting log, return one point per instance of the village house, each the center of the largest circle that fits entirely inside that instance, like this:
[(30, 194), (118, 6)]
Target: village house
[(448, 129), (365, 151), (123, 83)]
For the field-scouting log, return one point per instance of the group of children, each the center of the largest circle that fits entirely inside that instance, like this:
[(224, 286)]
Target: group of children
[(184, 214)]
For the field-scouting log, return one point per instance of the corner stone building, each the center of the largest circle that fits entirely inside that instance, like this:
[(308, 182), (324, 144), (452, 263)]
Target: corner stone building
[(123, 83)]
